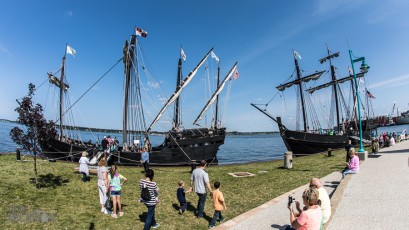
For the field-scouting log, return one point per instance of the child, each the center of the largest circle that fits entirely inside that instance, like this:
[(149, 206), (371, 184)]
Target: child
[(115, 188), (180, 193), (84, 166), (218, 203)]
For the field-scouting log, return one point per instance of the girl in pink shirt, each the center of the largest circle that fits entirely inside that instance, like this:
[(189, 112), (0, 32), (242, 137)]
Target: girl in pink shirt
[(352, 165)]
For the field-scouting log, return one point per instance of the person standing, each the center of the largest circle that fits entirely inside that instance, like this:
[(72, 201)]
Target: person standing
[(181, 195), (347, 148), (116, 188), (153, 201), (325, 202), (199, 181), (103, 184), (84, 161), (145, 159), (104, 145), (218, 203)]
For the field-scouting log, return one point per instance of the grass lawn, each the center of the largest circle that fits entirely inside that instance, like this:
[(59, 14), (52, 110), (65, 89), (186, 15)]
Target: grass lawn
[(64, 202)]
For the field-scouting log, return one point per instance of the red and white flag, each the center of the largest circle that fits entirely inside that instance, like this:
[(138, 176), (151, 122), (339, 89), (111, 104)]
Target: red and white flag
[(370, 95), (141, 32), (236, 74)]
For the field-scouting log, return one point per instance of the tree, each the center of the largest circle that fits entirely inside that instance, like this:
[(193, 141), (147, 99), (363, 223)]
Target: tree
[(37, 128)]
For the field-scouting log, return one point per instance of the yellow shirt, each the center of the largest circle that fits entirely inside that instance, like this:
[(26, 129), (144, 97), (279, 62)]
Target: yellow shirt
[(218, 200)]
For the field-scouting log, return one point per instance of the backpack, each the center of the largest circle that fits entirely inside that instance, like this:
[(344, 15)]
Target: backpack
[(145, 194)]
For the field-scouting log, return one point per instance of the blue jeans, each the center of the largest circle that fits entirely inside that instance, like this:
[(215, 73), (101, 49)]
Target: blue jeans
[(216, 215), (201, 204), (150, 218), (347, 171)]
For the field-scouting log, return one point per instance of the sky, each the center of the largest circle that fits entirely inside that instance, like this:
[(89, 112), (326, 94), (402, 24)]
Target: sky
[(259, 34)]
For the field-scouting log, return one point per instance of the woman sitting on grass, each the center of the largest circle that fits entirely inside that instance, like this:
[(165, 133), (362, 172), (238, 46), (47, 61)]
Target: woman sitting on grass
[(115, 186)]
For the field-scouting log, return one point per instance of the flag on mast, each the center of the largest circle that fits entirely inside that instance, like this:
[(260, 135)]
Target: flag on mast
[(236, 74), (296, 54), (71, 51), (370, 95), (141, 32), (182, 54), (215, 57)]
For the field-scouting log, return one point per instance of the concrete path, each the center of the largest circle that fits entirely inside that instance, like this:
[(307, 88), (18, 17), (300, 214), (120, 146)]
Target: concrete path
[(375, 198)]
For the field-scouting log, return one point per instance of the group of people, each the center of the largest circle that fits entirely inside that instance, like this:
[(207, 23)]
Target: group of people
[(316, 211), (110, 184)]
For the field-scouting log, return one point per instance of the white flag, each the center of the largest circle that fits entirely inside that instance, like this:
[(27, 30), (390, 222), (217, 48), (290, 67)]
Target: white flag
[(215, 57), (296, 54), (71, 51), (182, 54)]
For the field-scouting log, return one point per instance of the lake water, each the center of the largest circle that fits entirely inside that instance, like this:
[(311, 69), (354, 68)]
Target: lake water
[(236, 149)]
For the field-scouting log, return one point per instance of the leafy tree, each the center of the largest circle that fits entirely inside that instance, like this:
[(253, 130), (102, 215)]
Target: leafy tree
[(37, 128)]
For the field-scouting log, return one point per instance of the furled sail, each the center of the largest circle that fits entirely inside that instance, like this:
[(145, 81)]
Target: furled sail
[(179, 89), (308, 78), (338, 81), (217, 92)]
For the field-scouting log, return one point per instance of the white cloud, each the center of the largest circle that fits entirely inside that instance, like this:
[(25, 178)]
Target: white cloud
[(391, 83), (69, 13)]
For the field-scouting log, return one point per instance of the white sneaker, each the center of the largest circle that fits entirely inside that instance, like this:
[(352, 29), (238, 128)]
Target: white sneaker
[(156, 226), (107, 212), (103, 209)]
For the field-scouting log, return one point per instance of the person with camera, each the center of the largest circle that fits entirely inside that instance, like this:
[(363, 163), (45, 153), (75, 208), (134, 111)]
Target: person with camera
[(310, 218)]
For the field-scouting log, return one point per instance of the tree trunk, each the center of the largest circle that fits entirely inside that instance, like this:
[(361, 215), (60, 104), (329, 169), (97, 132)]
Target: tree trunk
[(35, 170)]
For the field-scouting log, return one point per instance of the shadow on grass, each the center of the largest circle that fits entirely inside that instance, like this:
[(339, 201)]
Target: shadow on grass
[(91, 226), (49, 180), (281, 227), (296, 170)]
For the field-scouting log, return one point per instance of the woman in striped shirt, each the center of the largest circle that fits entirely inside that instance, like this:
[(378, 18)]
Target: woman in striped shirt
[(151, 203)]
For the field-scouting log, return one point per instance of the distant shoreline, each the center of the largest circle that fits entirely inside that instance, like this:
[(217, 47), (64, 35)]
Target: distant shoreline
[(233, 133)]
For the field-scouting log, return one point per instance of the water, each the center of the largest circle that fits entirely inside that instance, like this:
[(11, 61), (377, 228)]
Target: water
[(236, 149)]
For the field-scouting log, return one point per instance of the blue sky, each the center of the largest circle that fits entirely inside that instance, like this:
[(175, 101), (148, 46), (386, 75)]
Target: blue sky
[(260, 35)]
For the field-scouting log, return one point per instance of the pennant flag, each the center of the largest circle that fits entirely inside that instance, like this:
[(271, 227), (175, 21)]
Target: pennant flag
[(71, 51), (141, 32), (236, 74), (182, 54), (350, 71), (215, 57), (370, 95), (296, 54)]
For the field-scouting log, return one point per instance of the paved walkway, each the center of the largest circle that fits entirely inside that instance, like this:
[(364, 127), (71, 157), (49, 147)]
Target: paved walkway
[(375, 198)]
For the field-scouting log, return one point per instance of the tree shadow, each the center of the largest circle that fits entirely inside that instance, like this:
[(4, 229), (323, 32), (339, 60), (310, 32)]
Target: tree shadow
[(91, 226), (49, 180)]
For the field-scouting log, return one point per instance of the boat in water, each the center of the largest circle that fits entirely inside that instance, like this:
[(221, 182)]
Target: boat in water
[(403, 118), (181, 146), (315, 138)]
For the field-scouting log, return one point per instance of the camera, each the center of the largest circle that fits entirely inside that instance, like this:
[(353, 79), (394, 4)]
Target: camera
[(291, 199)]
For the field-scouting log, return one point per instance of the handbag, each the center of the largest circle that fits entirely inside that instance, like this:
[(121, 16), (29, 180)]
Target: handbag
[(108, 203)]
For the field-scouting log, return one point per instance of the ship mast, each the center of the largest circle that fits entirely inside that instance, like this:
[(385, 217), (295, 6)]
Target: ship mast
[(304, 114), (129, 53), (176, 117), (216, 117), (62, 90), (334, 79)]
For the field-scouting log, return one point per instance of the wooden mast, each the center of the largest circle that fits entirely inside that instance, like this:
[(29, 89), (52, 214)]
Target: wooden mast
[(129, 53), (216, 118), (304, 114), (176, 117), (62, 90)]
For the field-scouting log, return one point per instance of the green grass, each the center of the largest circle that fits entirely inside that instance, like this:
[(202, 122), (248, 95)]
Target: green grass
[(75, 205)]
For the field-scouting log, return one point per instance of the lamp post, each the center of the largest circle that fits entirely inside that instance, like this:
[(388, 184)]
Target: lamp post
[(364, 68)]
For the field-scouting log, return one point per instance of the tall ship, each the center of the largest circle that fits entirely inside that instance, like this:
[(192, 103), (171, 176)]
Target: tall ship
[(312, 137), (181, 146)]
